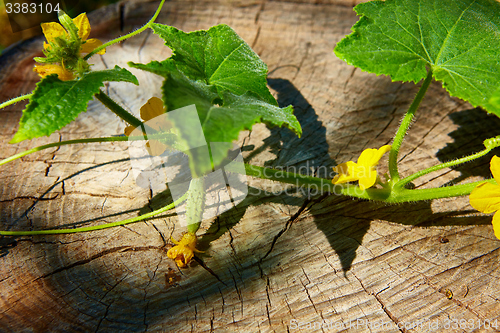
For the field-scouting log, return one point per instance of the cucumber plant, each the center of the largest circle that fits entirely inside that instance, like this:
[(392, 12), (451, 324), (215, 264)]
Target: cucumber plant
[(453, 42)]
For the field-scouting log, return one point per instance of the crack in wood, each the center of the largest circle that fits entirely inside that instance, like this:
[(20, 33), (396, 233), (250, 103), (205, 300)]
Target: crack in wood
[(286, 227), (94, 257), (47, 170), (103, 317), (261, 9), (384, 308), (267, 290), (121, 16), (222, 299), (30, 240), (208, 269), (143, 44), (268, 315), (443, 290), (256, 38), (97, 195), (323, 23), (28, 197)]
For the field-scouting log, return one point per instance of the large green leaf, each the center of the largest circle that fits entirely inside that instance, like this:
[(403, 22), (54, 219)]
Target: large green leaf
[(56, 103), (218, 57), (458, 40), (219, 73), (222, 123), (495, 98)]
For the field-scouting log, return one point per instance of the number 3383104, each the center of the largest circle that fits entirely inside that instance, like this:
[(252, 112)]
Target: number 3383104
[(31, 8)]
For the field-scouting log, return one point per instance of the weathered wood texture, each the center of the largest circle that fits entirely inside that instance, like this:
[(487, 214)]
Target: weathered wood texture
[(281, 259)]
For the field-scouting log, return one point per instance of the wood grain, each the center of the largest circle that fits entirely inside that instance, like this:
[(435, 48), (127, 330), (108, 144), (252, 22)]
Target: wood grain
[(282, 258)]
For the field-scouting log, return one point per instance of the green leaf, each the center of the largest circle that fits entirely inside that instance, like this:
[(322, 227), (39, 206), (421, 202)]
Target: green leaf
[(218, 57), (495, 98), (56, 103), (223, 123), (458, 40), (241, 113), (219, 73)]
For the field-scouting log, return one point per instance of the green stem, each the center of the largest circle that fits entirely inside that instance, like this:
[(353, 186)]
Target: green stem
[(449, 164), (132, 34), (90, 140), (118, 110), (321, 185), (403, 128), (96, 227), (62, 143), (406, 195), (314, 185), (15, 100), (125, 115)]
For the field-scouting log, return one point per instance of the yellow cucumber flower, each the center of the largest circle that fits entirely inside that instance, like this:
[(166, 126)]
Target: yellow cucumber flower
[(183, 251), (364, 170), (486, 196), (152, 109), (62, 73), (63, 51), (52, 30)]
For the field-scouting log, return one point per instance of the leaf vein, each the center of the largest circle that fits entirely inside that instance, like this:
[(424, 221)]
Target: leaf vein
[(409, 49), (450, 32), (468, 50), (223, 61), (464, 78)]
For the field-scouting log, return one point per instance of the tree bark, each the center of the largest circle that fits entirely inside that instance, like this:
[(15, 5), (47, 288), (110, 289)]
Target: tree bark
[(281, 258)]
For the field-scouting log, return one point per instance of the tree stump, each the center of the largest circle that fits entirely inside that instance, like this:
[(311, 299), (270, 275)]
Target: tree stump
[(282, 260)]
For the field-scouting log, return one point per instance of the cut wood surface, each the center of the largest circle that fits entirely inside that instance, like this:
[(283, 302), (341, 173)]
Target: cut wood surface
[(281, 258)]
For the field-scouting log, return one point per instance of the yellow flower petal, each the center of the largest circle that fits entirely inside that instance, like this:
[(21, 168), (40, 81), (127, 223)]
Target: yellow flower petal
[(44, 70), (184, 250), (90, 45), (371, 157), (51, 30), (368, 180), (346, 173), (496, 224), (495, 168), (83, 25), (363, 170), (180, 255), (485, 198), (155, 148), (367, 157), (128, 130), (153, 108)]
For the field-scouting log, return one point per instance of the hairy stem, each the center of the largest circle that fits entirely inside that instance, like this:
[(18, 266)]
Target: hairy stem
[(421, 173), (320, 185), (118, 110), (403, 128), (132, 34), (15, 100), (315, 185)]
